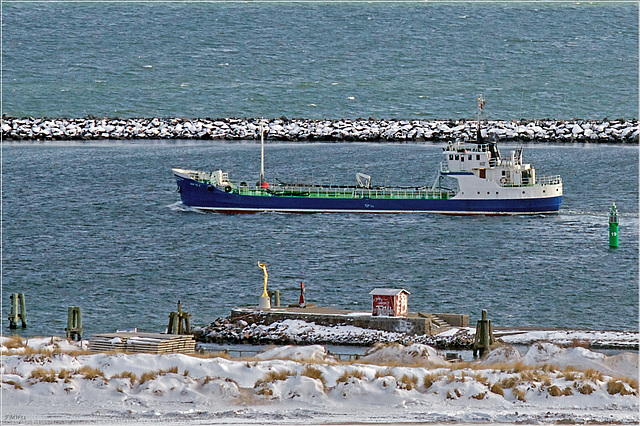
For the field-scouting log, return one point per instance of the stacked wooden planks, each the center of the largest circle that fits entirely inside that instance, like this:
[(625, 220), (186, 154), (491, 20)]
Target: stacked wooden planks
[(155, 343)]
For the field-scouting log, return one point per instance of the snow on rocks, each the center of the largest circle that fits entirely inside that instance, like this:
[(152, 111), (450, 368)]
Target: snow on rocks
[(257, 330), (299, 332), (285, 129)]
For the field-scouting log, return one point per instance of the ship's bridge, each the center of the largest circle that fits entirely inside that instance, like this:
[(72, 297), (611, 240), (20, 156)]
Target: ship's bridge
[(465, 158), (484, 162)]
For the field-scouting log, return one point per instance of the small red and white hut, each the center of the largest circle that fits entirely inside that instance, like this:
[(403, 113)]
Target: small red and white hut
[(389, 302)]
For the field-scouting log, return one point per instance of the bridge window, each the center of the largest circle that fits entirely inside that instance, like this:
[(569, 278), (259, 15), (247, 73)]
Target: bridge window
[(470, 157), (450, 156)]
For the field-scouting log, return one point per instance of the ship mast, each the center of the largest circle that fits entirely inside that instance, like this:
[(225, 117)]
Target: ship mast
[(481, 103), (262, 155)]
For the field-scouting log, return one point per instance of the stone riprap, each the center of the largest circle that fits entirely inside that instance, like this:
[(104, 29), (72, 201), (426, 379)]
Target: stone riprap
[(283, 129)]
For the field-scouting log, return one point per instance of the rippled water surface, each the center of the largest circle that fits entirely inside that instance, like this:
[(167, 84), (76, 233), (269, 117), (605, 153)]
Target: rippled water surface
[(321, 60), (100, 227)]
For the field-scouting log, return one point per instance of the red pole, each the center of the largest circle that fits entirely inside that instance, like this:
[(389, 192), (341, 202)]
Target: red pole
[(302, 302)]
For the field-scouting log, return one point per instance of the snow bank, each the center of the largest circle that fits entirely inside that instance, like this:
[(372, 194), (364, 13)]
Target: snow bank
[(297, 353), (595, 339), (308, 387), (408, 355)]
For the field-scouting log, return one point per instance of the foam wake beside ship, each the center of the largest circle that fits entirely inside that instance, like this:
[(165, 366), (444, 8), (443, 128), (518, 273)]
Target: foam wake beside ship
[(473, 179)]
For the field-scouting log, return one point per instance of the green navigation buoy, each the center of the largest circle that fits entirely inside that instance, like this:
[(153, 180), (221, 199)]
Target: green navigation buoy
[(613, 226)]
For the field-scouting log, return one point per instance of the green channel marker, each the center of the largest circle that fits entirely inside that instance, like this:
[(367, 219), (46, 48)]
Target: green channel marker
[(613, 226)]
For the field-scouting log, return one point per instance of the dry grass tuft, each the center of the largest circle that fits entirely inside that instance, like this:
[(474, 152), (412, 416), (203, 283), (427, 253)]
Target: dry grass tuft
[(585, 389), (455, 395), (570, 376), (497, 389), (149, 375), (567, 391), (519, 394), (617, 385), (90, 373), (126, 375), (479, 378), (13, 383), (554, 390), (430, 379), (44, 375), (171, 370), (594, 375), (408, 382), (549, 368), (207, 379), (65, 375), (14, 342), (510, 382), (479, 396), (383, 373), (314, 373), (273, 376), (358, 374)]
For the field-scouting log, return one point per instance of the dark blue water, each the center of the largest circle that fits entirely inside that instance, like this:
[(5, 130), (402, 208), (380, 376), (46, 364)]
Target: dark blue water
[(99, 226), (321, 60)]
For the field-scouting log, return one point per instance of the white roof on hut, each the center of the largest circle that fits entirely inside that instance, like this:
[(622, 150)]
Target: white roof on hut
[(387, 291)]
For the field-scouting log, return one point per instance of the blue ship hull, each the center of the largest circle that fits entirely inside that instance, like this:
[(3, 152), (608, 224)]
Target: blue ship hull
[(202, 196)]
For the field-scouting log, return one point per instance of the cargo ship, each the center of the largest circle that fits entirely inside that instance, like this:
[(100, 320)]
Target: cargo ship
[(473, 179)]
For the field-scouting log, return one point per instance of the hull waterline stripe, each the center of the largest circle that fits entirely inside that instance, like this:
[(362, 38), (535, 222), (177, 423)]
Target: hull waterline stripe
[(311, 211)]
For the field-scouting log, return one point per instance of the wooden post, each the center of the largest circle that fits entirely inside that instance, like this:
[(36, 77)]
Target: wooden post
[(13, 315), (74, 323), (18, 310), (23, 309), (173, 323), (275, 297), (484, 335), (179, 322)]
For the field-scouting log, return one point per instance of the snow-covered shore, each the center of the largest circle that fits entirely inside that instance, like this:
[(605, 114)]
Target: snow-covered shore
[(300, 332), (284, 129), (49, 380)]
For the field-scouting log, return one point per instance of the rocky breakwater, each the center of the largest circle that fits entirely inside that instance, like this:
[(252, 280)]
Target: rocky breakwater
[(255, 330), (284, 129)]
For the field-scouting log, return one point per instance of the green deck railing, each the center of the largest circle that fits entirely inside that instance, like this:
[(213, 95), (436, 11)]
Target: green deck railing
[(328, 192)]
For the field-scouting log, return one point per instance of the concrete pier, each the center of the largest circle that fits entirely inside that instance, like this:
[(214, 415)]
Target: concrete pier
[(419, 323)]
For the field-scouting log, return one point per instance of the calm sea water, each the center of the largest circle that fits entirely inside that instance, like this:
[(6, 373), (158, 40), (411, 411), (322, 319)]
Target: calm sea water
[(321, 60), (100, 227)]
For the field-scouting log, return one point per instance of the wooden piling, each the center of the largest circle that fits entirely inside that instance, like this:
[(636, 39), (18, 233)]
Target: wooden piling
[(179, 322), (484, 335), (74, 323), (18, 310)]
